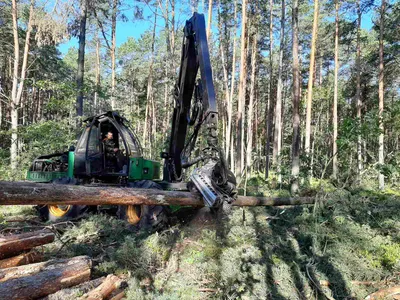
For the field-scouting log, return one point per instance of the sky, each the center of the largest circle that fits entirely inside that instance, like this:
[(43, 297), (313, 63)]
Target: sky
[(135, 28)]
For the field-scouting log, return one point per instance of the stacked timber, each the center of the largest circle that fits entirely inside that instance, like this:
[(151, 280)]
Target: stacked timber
[(24, 274), (19, 249)]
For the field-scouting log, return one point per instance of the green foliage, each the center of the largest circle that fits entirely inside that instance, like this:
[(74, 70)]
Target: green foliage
[(41, 138)]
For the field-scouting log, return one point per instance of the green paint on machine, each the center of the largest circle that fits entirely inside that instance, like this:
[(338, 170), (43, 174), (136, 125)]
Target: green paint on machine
[(143, 169)]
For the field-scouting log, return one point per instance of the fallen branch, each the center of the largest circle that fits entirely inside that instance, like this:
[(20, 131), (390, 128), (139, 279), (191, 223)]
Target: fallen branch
[(110, 284), (22, 259), (17, 243), (28, 193), (41, 279)]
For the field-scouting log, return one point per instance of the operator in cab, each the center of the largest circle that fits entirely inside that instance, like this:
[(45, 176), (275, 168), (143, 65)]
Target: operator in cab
[(111, 150)]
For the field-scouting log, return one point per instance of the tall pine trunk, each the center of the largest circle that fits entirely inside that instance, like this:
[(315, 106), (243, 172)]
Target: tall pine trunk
[(113, 47), (18, 77), (269, 108), (250, 114), (210, 4), (230, 103), (335, 94), (296, 101), (81, 58), (310, 81), (149, 96), (242, 93), (358, 92), (278, 108), (381, 93), (97, 75)]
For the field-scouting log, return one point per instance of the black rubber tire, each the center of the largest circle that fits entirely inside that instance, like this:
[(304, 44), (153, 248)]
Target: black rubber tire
[(74, 212), (152, 217)]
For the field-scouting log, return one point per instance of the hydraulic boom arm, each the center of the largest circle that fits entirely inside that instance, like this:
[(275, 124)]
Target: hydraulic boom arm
[(213, 180)]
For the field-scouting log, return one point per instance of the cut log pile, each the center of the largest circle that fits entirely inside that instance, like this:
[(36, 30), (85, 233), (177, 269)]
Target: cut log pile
[(24, 274)]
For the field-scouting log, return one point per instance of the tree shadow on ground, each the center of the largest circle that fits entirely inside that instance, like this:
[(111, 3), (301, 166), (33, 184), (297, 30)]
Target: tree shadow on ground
[(285, 244)]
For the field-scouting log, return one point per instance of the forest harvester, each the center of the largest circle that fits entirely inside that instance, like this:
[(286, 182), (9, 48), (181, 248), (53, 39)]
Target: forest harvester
[(195, 113)]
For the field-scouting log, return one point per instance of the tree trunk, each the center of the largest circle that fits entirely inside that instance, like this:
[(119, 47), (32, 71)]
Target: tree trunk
[(358, 92), (81, 58), (149, 96), (269, 108), (278, 107), (296, 101), (41, 279), (249, 143), (242, 93), (110, 284), (15, 244), (381, 94), (227, 105), (97, 78), (18, 85), (74, 292), (26, 193), (210, 4), (113, 47), (22, 259), (335, 94), (230, 103), (311, 78), (120, 295)]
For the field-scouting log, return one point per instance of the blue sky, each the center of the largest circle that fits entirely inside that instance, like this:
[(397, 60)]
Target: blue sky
[(135, 28)]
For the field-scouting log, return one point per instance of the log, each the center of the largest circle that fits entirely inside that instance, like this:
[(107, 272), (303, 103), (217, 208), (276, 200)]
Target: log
[(118, 296), (29, 193), (384, 293), (110, 284), (41, 279), (22, 259), (17, 243), (75, 292)]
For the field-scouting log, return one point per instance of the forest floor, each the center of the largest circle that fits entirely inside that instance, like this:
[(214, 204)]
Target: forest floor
[(347, 245)]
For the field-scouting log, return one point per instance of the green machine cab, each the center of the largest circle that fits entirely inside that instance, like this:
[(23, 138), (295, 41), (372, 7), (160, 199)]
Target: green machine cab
[(88, 160), (88, 163)]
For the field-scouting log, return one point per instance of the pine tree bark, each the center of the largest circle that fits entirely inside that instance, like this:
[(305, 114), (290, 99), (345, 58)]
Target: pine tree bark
[(18, 243), (242, 93), (310, 79), (113, 47), (21, 259), (210, 5), (97, 74), (27, 193), (18, 84), (270, 106), (278, 108), (249, 144), (296, 101), (110, 284), (335, 94), (41, 279), (81, 58), (73, 292), (230, 104), (358, 92), (381, 93), (149, 96)]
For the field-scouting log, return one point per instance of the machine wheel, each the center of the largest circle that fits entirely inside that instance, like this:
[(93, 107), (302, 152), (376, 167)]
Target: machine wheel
[(59, 213), (144, 216)]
